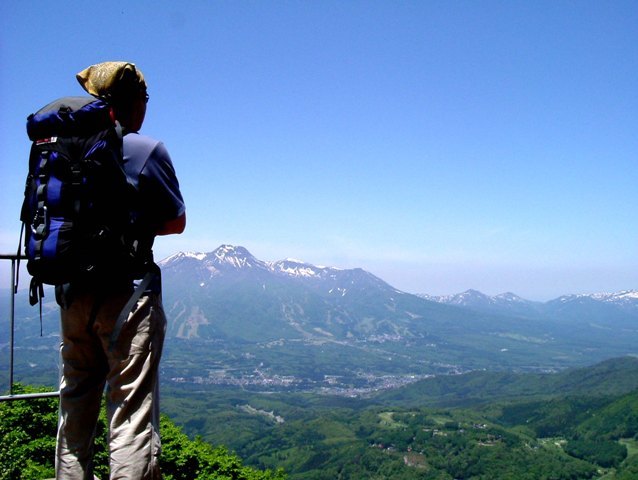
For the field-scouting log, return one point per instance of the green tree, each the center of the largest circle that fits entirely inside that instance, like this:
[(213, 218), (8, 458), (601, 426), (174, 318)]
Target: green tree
[(27, 450), (27, 430), (602, 452), (185, 459)]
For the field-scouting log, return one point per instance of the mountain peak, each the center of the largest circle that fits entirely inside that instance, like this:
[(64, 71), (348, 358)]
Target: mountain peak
[(297, 268), (232, 250), (469, 297), (474, 293), (234, 256), (181, 256), (509, 297)]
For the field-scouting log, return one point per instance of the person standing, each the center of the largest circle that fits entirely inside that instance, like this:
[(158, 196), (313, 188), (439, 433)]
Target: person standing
[(97, 351)]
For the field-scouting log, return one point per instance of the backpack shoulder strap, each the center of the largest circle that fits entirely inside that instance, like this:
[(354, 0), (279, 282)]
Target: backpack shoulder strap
[(152, 273)]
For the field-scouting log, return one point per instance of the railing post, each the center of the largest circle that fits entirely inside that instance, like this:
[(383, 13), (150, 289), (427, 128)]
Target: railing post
[(14, 258), (12, 322)]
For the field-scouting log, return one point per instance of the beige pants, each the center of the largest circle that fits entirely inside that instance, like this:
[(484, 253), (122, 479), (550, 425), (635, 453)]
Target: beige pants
[(130, 373)]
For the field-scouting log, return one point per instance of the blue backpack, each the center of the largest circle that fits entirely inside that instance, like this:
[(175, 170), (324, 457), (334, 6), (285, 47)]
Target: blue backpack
[(79, 205)]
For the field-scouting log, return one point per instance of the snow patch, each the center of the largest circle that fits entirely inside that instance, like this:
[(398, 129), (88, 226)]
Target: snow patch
[(180, 255)]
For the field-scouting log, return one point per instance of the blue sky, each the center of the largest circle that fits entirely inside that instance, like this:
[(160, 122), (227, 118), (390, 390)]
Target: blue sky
[(441, 145)]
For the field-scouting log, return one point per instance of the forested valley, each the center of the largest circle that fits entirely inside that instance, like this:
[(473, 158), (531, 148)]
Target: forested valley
[(581, 424)]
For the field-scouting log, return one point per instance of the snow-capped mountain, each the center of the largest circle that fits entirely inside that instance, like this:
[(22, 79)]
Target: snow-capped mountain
[(297, 268), (236, 260), (299, 313), (471, 298), (223, 258), (627, 298), (286, 298), (230, 257), (567, 307), (289, 297), (505, 303), (602, 309)]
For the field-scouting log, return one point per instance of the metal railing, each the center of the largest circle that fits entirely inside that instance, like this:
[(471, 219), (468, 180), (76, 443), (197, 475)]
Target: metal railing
[(14, 275)]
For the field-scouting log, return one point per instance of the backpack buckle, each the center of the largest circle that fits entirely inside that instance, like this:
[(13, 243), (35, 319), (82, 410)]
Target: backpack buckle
[(40, 223)]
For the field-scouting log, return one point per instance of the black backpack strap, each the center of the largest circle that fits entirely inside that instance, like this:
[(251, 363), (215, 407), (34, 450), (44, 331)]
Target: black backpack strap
[(153, 272), (36, 293), (36, 289), (18, 255)]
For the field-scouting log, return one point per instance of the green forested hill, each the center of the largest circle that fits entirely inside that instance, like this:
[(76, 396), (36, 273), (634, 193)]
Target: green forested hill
[(409, 444), (618, 419), (453, 443), (578, 424), (611, 377)]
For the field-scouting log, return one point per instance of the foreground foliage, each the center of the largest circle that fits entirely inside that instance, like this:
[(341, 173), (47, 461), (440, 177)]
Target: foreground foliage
[(28, 427)]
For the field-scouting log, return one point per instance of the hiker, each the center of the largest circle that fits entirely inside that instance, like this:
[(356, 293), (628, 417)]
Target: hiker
[(129, 366)]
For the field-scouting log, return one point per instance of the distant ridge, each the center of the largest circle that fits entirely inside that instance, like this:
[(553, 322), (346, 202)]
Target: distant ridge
[(582, 306), (617, 376), (238, 257), (229, 257), (236, 295)]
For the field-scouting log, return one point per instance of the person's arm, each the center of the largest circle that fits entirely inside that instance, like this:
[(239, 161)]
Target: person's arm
[(174, 226)]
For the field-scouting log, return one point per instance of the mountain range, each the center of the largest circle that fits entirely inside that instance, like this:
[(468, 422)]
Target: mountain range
[(355, 318), (609, 307), (230, 259), (345, 295), (228, 293), (236, 320)]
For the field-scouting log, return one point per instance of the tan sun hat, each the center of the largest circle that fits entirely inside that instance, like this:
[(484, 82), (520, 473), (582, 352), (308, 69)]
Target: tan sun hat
[(112, 81)]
